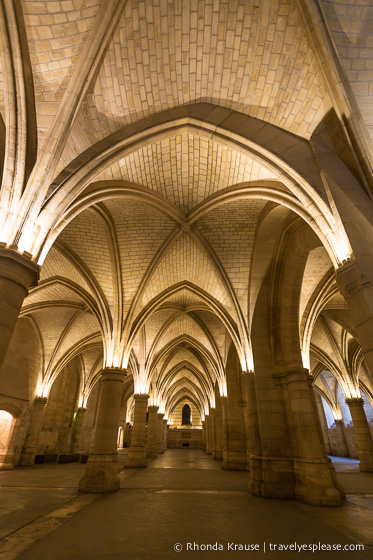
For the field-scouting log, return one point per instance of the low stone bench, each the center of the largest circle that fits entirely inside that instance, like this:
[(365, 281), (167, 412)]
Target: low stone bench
[(69, 458), (46, 458)]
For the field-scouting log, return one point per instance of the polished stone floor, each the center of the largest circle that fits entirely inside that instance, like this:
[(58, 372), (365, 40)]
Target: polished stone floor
[(183, 497)]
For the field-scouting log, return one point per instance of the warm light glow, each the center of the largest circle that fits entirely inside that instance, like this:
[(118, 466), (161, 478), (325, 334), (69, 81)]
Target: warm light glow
[(223, 388), (42, 390), (140, 385), (26, 242), (212, 400), (306, 359), (341, 246), (337, 414), (249, 366), (350, 390)]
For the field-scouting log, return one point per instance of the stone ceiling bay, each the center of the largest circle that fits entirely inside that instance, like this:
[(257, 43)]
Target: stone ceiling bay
[(56, 33), (246, 55), (187, 167)]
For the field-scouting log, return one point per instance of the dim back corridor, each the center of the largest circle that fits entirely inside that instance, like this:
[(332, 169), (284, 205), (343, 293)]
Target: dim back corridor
[(181, 506)]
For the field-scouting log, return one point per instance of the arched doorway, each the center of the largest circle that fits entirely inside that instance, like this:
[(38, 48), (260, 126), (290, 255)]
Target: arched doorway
[(186, 415), (7, 422)]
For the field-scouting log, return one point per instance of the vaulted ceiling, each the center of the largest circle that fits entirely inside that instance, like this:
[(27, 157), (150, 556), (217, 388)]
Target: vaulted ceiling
[(163, 274)]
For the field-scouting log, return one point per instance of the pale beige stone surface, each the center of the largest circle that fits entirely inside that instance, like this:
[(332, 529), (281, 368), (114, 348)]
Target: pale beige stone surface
[(186, 218)]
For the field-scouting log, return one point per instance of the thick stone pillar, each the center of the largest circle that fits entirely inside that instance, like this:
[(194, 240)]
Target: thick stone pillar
[(160, 430), (204, 435), (17, 275), (76, 443), (315, 480), (125, 437), (234, 453), (254, 445), (362, 432), (7, 454), (357, 290), (208, 434), (165, 432), (137, 452), (218, 448), (341, 440), (152, 443), (213, 431), (102, 466), (29, 449), (323, 423)]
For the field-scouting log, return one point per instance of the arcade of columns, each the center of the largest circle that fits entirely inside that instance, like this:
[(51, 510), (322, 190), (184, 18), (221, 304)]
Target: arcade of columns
[(186, 217)]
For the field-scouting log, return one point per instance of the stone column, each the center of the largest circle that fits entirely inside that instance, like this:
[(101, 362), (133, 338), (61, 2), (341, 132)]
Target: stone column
[(7, 454), (137, 451), (29, 448), (79, 418), (17, 275), (357, 290), (234, 453), (323, 423), (160, 430), (165, 432), (340, 430), (315, 479), (208, 434), (218, 448), (254, 445), (126, 431), (213, 431), (102, 466), (224, 408), (362, 432), (204, 435), (152, 443)]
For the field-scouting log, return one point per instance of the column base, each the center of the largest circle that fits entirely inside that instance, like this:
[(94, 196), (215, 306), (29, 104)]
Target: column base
[(136, 458), (255, 477), (151, 452), (286, 479), (5, 464), (271, 478), (315, 484), (101, 474), (27, 458), (217, 455), (234, 460), (328, 497), (366, 461), (160, 448)]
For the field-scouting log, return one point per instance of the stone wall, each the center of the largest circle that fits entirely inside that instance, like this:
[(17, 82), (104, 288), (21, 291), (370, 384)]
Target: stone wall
[(184, 438)]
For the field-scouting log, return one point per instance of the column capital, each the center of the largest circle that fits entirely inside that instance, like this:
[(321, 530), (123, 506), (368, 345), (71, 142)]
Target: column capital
[(41, 400), (18, 268), (153, 408), (160, 414), (348, 278), (113, 374), (81, 409), (296, 374), (355, 401), (141, 397)]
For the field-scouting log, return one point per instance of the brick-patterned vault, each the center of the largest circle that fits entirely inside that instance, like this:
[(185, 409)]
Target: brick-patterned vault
[(186, 227)]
